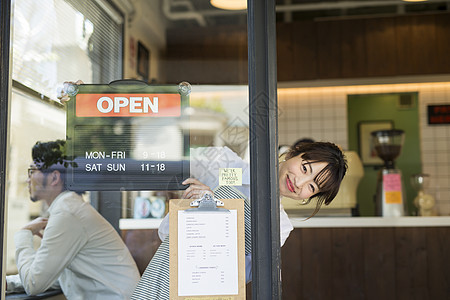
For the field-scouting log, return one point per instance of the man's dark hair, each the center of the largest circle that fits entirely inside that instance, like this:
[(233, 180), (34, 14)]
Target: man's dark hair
[(51, 156)]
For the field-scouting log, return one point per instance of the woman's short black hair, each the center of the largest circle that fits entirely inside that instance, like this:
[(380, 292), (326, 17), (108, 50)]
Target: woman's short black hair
[(329, 178)]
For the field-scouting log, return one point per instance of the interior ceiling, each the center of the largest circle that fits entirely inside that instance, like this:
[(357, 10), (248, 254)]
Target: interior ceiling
[(202, 13)]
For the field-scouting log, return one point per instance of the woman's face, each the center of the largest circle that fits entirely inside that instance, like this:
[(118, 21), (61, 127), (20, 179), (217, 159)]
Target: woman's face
[(297, 176)]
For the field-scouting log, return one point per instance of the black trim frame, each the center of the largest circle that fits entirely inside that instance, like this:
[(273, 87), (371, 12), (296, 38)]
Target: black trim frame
[(262, 70), (5, 84)]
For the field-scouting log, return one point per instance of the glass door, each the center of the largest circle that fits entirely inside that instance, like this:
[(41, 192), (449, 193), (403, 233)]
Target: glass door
[(158, 44)]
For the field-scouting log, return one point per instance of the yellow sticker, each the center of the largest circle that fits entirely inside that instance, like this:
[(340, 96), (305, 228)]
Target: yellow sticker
[(230, 176), (394, 197)]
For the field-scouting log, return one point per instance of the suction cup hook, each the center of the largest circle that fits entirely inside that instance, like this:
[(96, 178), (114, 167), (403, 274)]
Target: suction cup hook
[(184, 88), (71, 89), (68, 89)]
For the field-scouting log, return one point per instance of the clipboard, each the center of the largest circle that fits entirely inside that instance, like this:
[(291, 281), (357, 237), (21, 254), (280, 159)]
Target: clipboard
[(203, 270)]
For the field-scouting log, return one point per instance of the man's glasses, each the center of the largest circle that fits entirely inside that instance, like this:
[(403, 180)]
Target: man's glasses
[(31, 170)]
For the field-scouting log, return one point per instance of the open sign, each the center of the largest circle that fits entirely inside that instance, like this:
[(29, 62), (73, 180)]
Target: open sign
[(128, 105), (127, 137)]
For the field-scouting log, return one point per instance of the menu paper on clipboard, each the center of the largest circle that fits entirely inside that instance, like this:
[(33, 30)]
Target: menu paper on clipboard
[(207, 251)]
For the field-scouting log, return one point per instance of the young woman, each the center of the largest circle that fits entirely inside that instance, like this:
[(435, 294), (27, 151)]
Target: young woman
[(310, 171)]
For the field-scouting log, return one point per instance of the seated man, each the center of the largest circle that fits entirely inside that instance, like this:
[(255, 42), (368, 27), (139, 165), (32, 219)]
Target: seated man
[(80, 251)]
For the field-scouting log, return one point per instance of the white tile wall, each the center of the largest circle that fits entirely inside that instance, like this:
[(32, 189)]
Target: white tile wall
[(321, 113)]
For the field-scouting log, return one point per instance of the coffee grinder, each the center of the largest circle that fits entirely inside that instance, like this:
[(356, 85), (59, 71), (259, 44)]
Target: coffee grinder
[(389, 199)]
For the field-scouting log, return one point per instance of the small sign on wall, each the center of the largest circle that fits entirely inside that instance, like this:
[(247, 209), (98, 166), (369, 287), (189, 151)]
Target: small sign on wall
[(439, 114)]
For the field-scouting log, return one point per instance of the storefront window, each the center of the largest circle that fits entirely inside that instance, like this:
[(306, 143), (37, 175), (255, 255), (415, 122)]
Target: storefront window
[(299, 70), (57, 41), (52, 42), (155, 43)]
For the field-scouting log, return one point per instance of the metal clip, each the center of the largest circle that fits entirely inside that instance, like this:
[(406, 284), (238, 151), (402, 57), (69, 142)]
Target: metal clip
[(207, 203)]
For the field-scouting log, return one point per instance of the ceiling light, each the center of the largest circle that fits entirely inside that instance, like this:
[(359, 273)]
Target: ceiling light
[(230, 4), (415, 0)]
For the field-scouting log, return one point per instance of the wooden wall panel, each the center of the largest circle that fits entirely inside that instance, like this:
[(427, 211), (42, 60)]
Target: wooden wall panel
[(285, 52), (142, 244), (176, 64), (416, 44), (404, 46), (206, 56), (442, 50), (379, 263), (367, 263), (346, 273), (353, 49), (243, 56), (223, 65), (348, 263), (304, 47), (438, 262), (411, 263), (380, 43), (313, 50), (248, 291), (315, 254), (328, 49), (291, 273), (424, 44)]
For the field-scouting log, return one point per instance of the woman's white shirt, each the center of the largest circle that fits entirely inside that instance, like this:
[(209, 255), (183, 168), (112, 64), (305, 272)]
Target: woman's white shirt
[(205, 165)]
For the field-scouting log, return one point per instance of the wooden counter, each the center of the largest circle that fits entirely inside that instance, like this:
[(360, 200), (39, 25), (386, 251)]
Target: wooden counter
[(367, 263), (323, 222), (347, 258), (340, 222)]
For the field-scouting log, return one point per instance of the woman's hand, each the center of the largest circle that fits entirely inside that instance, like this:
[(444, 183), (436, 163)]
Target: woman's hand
[(196, 189)]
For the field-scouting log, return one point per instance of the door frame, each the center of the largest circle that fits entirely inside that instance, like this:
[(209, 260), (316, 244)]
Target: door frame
[(5, 93)]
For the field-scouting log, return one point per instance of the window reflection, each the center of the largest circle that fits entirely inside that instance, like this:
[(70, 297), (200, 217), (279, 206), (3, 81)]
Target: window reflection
[(52, 41), (65, 40)]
